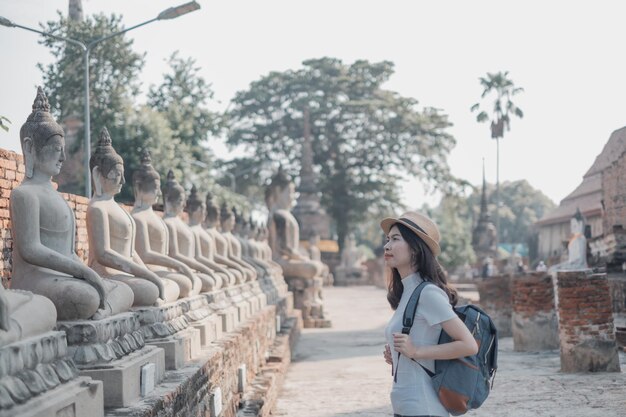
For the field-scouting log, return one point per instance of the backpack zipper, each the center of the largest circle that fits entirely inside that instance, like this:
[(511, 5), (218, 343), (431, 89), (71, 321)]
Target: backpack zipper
[(476, 325), (489, 348)]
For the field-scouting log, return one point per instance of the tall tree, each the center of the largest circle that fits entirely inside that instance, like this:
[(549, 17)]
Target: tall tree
[(3, 123), (114, 69), (454, 220), (500, 90), (363, 136), (521, 207), (183, 97)]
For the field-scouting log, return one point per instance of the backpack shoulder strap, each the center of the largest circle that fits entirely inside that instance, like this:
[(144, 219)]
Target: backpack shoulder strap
[(411, 308), (409, 317)]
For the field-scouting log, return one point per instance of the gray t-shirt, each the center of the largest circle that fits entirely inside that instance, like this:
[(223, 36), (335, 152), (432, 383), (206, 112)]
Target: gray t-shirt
[(413, 393)]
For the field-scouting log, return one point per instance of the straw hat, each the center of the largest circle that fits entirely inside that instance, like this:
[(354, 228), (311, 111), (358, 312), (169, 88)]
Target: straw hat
[(421, 225)]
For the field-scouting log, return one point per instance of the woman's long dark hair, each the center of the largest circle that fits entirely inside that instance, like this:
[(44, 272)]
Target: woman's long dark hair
[(424, 262)]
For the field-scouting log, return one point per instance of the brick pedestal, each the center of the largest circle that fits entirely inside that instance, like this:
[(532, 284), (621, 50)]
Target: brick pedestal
[(496, 300), (586, 328), (533, 320)]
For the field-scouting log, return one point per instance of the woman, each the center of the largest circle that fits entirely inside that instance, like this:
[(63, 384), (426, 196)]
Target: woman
[(410, 253)]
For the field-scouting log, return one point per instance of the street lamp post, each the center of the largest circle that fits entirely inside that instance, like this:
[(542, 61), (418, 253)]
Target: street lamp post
[(171, 13)]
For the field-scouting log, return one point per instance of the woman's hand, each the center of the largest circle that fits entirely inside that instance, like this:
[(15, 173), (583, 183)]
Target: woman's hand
[(387, 354), (402, 344)]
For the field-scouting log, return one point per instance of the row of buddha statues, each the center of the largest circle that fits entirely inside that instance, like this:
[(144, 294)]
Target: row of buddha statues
[(148, 277)]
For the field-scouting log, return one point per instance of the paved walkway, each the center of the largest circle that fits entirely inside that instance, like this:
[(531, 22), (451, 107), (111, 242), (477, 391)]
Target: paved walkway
[(340, 372)]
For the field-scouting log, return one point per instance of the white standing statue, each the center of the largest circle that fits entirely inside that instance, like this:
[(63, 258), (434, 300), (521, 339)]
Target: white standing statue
[(576, 248)]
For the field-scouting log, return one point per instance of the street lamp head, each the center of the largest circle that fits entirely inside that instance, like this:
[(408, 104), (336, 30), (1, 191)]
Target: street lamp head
[(174, 12), (6, 22)]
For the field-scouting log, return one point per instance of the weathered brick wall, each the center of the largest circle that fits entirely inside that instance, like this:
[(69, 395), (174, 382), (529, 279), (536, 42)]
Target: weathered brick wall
[(586, 330), (496, 300), (190, 391), (617, 288), (532, 294), (614, 194), (11, 174), (534, 321)]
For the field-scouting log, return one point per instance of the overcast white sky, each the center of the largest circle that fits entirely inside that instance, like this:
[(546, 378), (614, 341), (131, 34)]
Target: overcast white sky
[(568, 56)]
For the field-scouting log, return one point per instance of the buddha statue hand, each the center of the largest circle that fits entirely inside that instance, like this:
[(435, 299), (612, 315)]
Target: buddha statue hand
[(154, 278), (95, 281), (4, 311)]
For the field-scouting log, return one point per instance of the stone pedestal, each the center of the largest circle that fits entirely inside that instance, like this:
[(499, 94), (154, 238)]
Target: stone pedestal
[(223, 308), (345, 276), (269, 288), (200, 316), (180, 348), (586, 323), (122, 378), (39, 379), (167, 327), (76, 398), (306, 298), (112, 350), (243, 306), (496, 299), (534, 320)]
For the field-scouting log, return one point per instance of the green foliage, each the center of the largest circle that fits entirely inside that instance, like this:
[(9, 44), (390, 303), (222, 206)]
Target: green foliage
[(3, 126), (174, 125), (520, 207), (363, 136), (454, 220), (183, 97), (113, 81), (504, 89)]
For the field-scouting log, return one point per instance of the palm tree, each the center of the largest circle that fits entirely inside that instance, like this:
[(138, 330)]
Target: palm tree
[(503, 109)]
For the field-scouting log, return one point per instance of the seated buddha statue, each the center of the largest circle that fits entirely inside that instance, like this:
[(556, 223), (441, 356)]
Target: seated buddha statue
[(221, 257), (248, 249), (205, 246), (284, 230), (182, 243), (44, 229), (152, 239), (233, 248), (24, 314), (112, 232)]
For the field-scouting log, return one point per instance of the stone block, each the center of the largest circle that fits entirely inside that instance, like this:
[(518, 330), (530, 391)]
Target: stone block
[(76, 398), (496, 299), (534, 319), (180, 348), (586, 326), (122, 378)]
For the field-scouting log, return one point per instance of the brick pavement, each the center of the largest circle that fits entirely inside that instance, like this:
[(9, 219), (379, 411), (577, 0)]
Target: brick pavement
[(340, 372)]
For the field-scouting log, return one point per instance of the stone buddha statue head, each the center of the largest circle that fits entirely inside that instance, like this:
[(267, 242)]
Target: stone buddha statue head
[(107, 167), (212, 218), (42, 140), (173, 195), (195, 207), (280, 194), (146, 182), (227, 218)]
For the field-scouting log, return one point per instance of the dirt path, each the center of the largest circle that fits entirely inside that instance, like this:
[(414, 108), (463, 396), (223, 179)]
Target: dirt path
[(340, 372)]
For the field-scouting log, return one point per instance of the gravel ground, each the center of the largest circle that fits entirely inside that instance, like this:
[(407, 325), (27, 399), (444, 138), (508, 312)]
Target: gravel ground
[(341, 372)]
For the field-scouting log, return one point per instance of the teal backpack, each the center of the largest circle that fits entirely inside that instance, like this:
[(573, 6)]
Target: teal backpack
[(462, 384)]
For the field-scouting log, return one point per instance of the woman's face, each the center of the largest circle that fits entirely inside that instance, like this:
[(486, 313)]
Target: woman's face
[(397, 250), (112, 183)]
